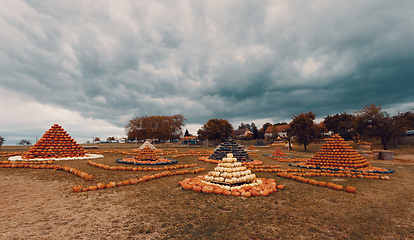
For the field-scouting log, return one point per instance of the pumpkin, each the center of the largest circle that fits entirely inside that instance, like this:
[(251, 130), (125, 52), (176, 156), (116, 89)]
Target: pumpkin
[(246, 194), (350, 189), (218, 190), (322, 184), (235, 193), (186, 186), (101, 185), (338, 187), (226, 192), (197, 188), (280, 187), (77, 188), (208, 189), (264, 192), (254, 192)]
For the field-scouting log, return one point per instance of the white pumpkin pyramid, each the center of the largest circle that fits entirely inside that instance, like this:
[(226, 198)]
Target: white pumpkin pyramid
[(230, 172)]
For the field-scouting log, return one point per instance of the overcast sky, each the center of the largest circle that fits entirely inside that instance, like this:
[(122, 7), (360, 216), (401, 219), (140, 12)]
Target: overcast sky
[(91, 66)]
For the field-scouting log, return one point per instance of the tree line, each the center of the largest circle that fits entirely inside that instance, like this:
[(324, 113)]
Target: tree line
[(159, 127), (370, 122)]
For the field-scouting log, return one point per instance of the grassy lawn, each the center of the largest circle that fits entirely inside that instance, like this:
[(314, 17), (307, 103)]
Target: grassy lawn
[(41, 204)]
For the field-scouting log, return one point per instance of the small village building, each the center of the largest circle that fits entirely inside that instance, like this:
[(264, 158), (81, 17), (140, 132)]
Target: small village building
[(189, 140), (241, 133), (281, 131)]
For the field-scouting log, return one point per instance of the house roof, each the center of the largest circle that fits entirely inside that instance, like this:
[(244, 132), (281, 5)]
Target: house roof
[(279, 128), (188, 138), (240, 131)]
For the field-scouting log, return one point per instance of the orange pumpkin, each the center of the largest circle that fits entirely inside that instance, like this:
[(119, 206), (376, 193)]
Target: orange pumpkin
[(77, 188), (235, 193), (280, 187), (322, 184), (350, 189), (208, 189), (186, 186), (226, 192), (246, 194), (254, 192), (218, 190), (197, 188), (101, 185)]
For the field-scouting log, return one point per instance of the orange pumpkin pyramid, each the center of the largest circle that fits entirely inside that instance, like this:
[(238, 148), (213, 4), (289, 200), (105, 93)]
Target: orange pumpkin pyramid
[(147, 153), (55, 143), (338, 154), (278, 153)]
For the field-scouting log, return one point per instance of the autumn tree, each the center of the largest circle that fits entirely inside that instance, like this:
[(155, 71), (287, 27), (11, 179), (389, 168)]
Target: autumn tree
[(342, 124), (255, 132), (304, 128), (215, 129), (110, 139), (24, 142), (375, 122), (161, 127)]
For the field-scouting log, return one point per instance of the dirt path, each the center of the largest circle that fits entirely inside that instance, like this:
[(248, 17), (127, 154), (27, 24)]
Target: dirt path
[(30, 209), (404, 159)]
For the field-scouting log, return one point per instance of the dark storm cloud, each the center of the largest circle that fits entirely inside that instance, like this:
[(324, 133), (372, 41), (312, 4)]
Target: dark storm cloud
[(233, 60)]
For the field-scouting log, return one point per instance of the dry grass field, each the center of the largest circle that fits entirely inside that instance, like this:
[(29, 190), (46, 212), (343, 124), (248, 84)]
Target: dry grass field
[(40, 204)]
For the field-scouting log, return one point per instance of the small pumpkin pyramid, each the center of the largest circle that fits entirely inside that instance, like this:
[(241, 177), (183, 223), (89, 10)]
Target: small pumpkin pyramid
[(230, 146), (55, 143), (337, 153), (251, 148), (278, 142), (147, 154), (230, 172), (278, 153)]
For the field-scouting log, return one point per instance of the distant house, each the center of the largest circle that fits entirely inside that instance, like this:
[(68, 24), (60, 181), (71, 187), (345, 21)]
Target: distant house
[(240, 133), (280, 129), (189, 140)]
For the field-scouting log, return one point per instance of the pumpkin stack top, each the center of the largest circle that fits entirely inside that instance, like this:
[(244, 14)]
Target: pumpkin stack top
[(230, 172), (338, 153), (147, 144), (230, 146), (55, 143)]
